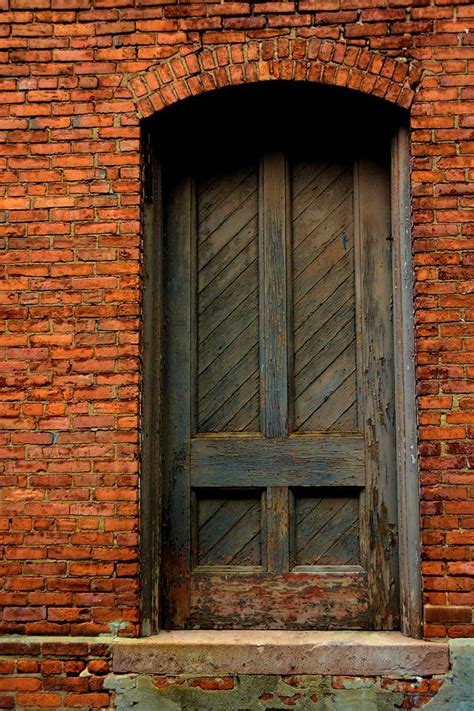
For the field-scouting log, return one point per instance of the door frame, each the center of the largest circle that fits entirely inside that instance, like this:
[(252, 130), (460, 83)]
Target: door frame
[(408, 486)]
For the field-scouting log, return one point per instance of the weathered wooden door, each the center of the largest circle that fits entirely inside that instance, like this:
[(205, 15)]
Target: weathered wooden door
[(280, 480)]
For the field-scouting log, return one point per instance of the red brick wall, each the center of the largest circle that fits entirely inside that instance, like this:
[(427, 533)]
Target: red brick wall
[(54, 674), (75, 78)]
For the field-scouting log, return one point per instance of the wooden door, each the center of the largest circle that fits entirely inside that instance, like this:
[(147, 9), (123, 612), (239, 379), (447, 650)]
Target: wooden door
[(279, 459)]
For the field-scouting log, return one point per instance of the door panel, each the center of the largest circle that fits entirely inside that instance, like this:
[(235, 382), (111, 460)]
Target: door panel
[(325, 378), (326, 527), (279, 447), (227, 302)]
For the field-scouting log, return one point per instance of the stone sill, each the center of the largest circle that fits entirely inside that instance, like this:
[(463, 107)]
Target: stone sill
[(206, 653)]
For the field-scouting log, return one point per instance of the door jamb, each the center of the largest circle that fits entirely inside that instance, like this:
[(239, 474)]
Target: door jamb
[(408, 482)]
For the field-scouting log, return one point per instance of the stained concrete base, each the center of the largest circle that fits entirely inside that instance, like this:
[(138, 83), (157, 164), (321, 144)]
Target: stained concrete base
[(457, 692), (274, 652), (254, 693), (257, 692)]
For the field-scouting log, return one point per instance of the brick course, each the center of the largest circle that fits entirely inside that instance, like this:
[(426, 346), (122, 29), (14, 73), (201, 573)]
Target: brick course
[(76, 77)]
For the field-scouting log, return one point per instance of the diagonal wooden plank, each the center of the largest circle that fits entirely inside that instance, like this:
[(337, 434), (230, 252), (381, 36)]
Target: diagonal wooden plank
[(225, 226), (331, 207), (216, 240), (231, 534), (229, 250), (335, 225), (227, 302), (332, 408), (347, 419), (305, 194), (313, 515), (220, 309), (232, 190), (314, 348), (330, 359), (215, 357), (303, 173), (212, 290), (324, 297), (212, 190), (318, 268), (229, 386), (327, 533), (211, 350), (321, 389), (322, 291), (219, 418)]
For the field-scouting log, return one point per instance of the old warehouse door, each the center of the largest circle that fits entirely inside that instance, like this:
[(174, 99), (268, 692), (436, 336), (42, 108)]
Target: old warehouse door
[(279, 468)]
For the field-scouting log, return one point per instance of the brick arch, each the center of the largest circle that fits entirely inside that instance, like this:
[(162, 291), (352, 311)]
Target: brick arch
[(325, 62)]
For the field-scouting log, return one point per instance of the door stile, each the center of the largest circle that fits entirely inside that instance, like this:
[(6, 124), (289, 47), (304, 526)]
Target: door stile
[(278, 549), (151, 348), (274, 303), (179, 383), (373, 228), (275, 366), (361, 369)]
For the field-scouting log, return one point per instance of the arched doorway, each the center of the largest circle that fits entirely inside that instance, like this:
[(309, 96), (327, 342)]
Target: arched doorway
[(273, 430)]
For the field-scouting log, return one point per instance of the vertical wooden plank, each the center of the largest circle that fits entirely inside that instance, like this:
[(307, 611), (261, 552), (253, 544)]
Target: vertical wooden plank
[(377, 389), (274, 289), (278, 545), (274, 279), (151, 474), (179, 378), (405, 402)]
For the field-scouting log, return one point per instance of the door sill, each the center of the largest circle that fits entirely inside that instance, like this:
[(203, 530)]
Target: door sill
[(279, 652)]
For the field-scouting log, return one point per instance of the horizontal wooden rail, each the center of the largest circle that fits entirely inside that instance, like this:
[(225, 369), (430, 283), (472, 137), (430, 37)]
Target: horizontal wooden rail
[(337, 461)]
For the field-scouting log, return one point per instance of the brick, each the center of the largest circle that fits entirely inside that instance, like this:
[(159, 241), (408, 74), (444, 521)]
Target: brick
[(212, 683), (96, 700), (41, 700), (448, 614)]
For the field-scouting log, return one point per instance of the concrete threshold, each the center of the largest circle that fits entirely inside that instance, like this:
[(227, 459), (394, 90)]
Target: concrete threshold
[(206, 652)]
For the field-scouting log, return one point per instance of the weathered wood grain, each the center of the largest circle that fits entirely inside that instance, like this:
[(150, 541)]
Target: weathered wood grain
[(179, 388), (274, 285), (332, 600), (278, 547), (405, 388), (297, 461), (376, 379), (272, 330), (152, 473), (227, 301), (324, 307), (229, 528), (326, 527)]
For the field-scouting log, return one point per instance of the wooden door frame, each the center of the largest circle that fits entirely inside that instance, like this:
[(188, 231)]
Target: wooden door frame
[(405, 403)]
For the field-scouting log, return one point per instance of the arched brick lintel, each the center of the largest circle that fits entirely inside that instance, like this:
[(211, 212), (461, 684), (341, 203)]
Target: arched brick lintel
[(325, 62)]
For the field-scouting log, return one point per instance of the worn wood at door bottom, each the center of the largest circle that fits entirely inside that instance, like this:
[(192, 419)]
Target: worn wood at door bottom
[(333, 600)]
